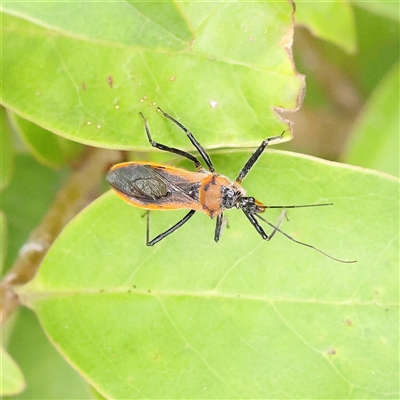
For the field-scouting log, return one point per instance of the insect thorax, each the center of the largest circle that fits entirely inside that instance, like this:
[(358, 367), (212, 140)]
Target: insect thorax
[(218, 193)]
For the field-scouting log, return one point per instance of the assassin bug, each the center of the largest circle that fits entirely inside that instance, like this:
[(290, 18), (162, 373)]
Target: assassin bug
[(155, 186)]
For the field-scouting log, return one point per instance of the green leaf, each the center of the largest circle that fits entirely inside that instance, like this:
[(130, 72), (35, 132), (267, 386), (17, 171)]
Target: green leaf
[(7, 152), (329, 20), (47, 374), (93, 66), (47, 148), (384, 8), (375, 136), (95, 394), (377, 37), (243, 318), (12, 380)]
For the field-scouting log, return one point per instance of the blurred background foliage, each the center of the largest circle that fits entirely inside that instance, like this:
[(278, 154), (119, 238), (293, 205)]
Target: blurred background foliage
[(351, 109)]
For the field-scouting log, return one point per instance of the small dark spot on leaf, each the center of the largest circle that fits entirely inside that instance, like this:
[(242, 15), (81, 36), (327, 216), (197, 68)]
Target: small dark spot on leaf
[(83, 84), (134, 286), (110, 80), (149, 290), (101, 290), (349, 322), (331, 351)]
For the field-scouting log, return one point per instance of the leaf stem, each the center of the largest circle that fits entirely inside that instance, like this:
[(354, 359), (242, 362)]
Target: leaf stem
[(82, 187)]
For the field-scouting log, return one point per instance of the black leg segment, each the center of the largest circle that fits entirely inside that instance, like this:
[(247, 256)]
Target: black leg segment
[(170, 149), (195, 143), (259, 228), (163, 235), (255, 156), (218, 227)]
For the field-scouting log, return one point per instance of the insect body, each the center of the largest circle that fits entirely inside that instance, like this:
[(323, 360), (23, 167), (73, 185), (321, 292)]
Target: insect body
[(155, 186), (158, 186)]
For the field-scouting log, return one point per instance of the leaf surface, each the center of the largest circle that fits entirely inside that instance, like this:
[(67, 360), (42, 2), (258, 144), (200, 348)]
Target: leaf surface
[(242, 318), (7, 152), (12, 380), (222, 65), (47, 148), (330, 20)]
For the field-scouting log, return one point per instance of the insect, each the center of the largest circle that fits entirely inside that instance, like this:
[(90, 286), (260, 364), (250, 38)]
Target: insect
[(154, 186)]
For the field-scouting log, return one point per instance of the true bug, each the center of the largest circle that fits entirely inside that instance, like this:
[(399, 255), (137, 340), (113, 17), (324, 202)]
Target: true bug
[(155, 186)]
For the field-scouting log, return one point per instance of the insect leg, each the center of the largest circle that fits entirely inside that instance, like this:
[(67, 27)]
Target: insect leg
[(195, 143), (170, 149), (260, 229), (163, 235), (255, 156), (218, 227)]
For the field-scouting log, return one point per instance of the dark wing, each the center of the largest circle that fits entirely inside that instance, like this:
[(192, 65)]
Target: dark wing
[(156, 185), (137, 181)]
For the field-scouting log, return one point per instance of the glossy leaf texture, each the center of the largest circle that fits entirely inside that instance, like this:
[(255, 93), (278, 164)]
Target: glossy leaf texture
[(242, 318), (91, 67)]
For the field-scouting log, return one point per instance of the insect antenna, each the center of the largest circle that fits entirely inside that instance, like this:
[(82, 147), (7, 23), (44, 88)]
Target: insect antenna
[(276, 228), (297, 206)]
